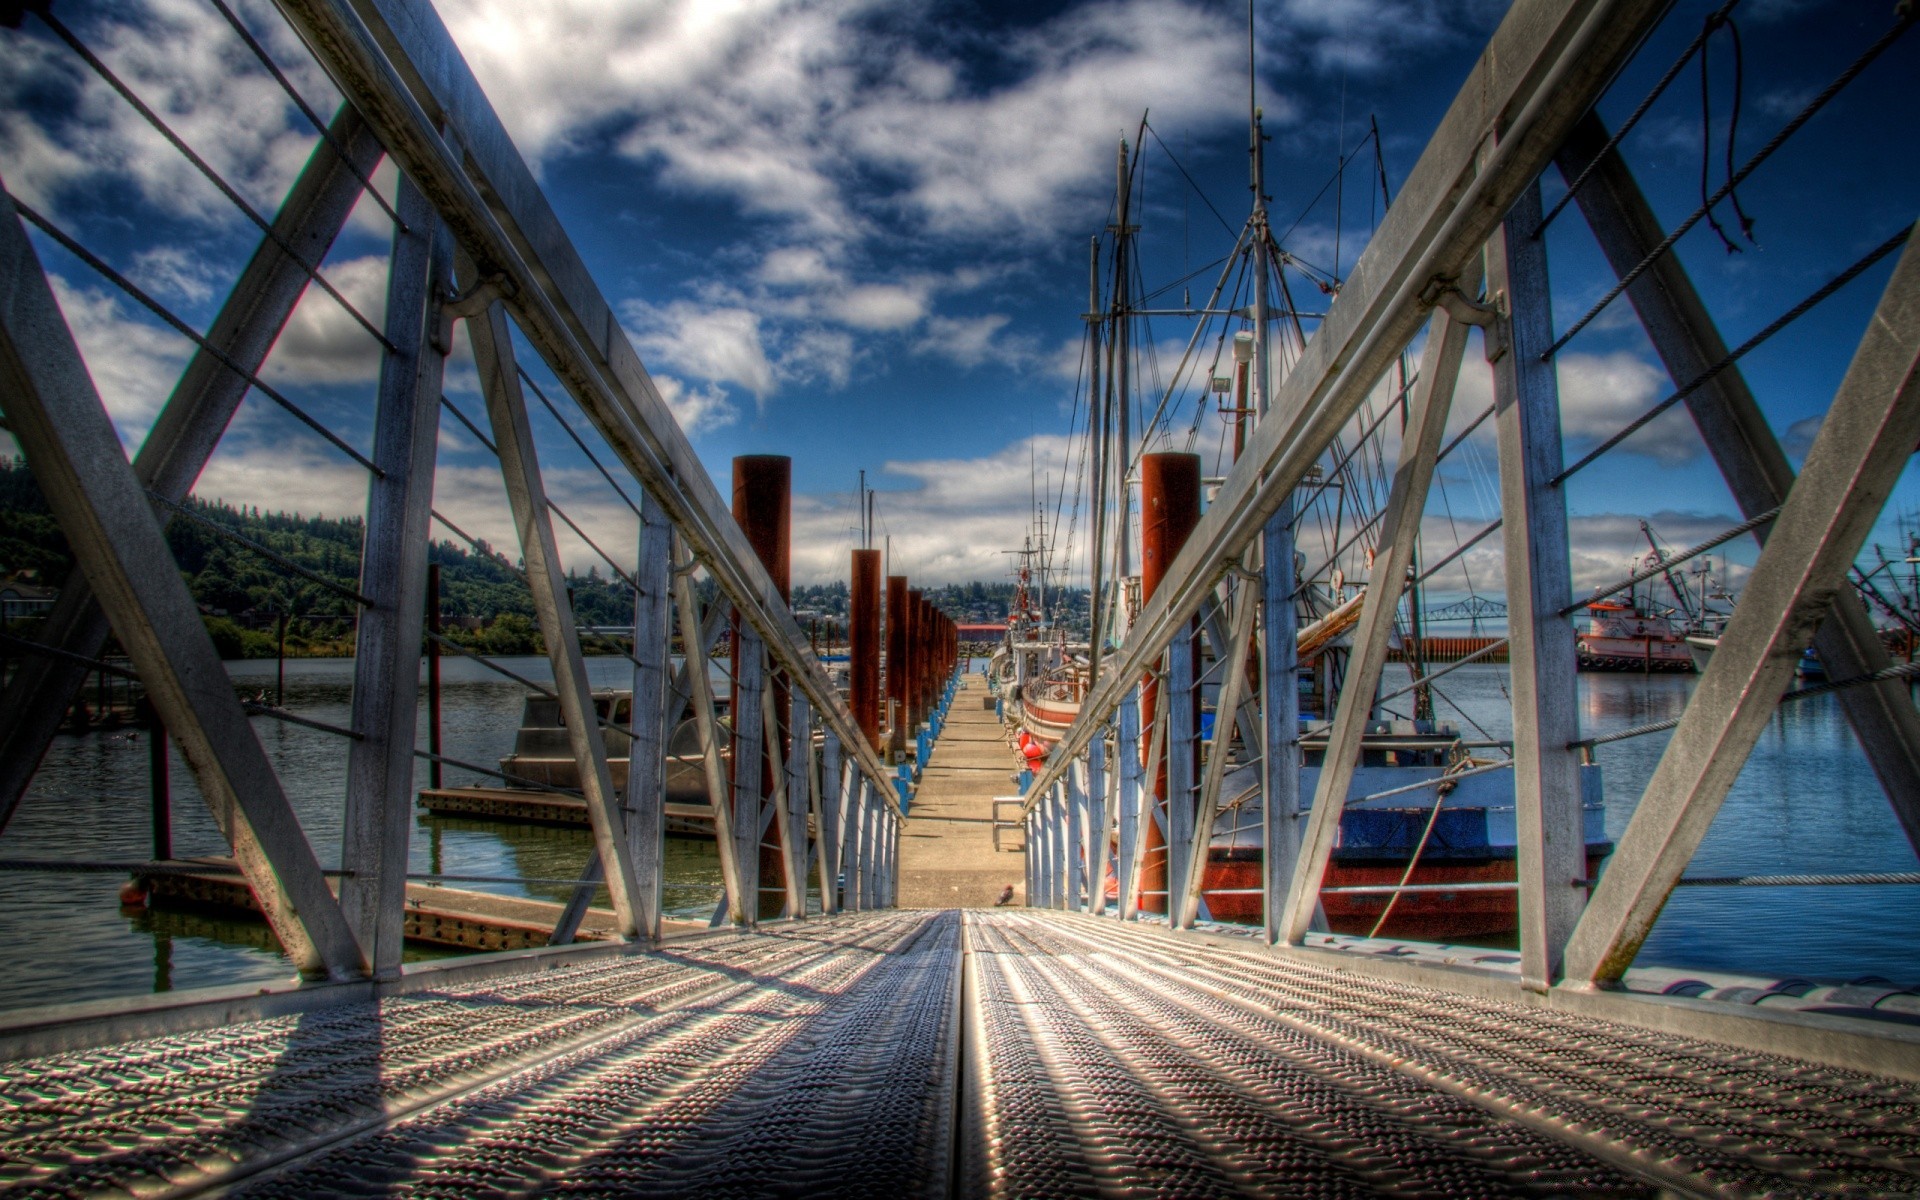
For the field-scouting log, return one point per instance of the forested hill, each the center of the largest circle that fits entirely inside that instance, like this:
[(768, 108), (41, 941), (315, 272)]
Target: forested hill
[(248, 590), (483, 600)]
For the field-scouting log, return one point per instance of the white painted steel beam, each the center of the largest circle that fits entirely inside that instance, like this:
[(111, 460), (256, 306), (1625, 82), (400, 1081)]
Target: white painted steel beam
[(398, 63), (546, 578), (378, 815), (1550, 857), (1234, 659), (1075, 796), (1126, 748), (829, 813), (1428, 408), (647, 716), (1743, 445), (189, 427), (1543, 67), (1099, 825), (707, 726), (791, 798), (1863, 446), (1180, 700), (749, 748), (1280, 718), (74, 453)]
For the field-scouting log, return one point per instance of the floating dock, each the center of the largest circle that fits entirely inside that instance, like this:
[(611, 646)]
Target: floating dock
[(947, 853), (436, 916), (526, 806)]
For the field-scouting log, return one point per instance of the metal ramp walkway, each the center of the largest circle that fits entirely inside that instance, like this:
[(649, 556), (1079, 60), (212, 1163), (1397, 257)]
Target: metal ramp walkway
[(940, 1053)]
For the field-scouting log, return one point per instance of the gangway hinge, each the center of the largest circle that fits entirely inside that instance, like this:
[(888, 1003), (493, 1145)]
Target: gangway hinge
[(1491, 316)]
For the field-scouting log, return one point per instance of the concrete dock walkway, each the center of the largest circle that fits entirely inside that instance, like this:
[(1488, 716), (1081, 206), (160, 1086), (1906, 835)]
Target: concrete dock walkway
[(947, 859)]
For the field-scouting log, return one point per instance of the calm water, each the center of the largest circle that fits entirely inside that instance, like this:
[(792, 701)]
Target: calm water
[(89, 801), (1805, 802)]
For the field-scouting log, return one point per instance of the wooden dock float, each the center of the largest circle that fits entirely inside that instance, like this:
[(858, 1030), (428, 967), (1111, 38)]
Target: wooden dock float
[(947, 854), (528, 807), (436, 916)]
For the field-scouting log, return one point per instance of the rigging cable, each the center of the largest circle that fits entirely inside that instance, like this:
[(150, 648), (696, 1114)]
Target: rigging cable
[(1904, 22)]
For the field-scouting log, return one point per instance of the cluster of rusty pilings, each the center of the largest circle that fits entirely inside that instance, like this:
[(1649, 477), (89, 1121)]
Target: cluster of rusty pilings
[(921, 646)]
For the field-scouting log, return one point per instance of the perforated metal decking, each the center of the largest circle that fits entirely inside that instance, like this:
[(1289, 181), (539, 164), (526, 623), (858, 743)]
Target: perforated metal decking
[(868, 1055)]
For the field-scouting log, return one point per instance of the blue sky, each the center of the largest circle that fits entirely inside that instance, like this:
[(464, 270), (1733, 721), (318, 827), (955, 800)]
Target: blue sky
[(856, 232)]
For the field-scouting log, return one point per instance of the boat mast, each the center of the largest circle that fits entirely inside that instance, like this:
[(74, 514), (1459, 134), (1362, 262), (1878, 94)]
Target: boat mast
[(1118, 384), (1097, 433)]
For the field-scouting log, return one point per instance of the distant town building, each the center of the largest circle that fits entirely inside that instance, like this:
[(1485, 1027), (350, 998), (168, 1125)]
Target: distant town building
[(22, 597)]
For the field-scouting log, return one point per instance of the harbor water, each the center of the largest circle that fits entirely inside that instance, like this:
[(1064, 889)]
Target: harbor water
[(1806, 802), (90, 802)]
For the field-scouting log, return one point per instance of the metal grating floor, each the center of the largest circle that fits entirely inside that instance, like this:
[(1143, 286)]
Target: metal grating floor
[(870, 1056)]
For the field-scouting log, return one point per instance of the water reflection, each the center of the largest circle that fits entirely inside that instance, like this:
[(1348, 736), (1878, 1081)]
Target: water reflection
[(90, 800), (1807, 801)]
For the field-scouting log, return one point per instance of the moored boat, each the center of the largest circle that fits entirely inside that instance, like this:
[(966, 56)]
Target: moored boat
[(1627, 637)]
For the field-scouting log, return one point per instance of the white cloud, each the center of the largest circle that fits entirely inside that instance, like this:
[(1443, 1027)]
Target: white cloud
[(134, 364), (283, 474), (881, 306), (1369, 35), (322, 342), (1799, 436), (1601, 393), (719, 344), (697, 409), (823, 355), (184, 63), (954, 522), (971, 341), (798, 266), (1606, 548)]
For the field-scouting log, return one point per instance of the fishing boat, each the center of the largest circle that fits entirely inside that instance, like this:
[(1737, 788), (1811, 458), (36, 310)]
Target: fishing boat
[(1418, 816), (1040, 676), (1627, 637)]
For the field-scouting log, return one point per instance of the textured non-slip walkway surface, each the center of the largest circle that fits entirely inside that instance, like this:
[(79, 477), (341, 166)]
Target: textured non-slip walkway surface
[(924, 1053)]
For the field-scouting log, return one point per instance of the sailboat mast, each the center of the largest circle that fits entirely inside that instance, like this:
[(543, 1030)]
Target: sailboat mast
[(1119, 383), (1262, 270), (1097, 433)]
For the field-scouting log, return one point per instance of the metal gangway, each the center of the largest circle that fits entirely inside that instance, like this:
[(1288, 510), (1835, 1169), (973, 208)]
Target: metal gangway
[(1077, 1046)]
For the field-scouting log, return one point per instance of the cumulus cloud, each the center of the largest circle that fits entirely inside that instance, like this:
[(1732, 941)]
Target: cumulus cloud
[(971, 341), (1799, 436), (697, 409), (1367, 35), (951, 523), (717, 343), (1599, 395), (877, 306), (66, 136), (322, 342), (1606, 548), (134, 363)]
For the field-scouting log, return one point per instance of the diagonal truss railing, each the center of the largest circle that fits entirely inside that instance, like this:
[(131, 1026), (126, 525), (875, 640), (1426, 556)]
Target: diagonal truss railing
[(1543, 68), (1473, 203), (401, 69)]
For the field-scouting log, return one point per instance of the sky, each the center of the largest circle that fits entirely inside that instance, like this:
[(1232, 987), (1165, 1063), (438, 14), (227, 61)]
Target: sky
[(856, 233)]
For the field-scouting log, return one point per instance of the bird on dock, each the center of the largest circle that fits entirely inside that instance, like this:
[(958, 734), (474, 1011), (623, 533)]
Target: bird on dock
[(1005, 899)]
